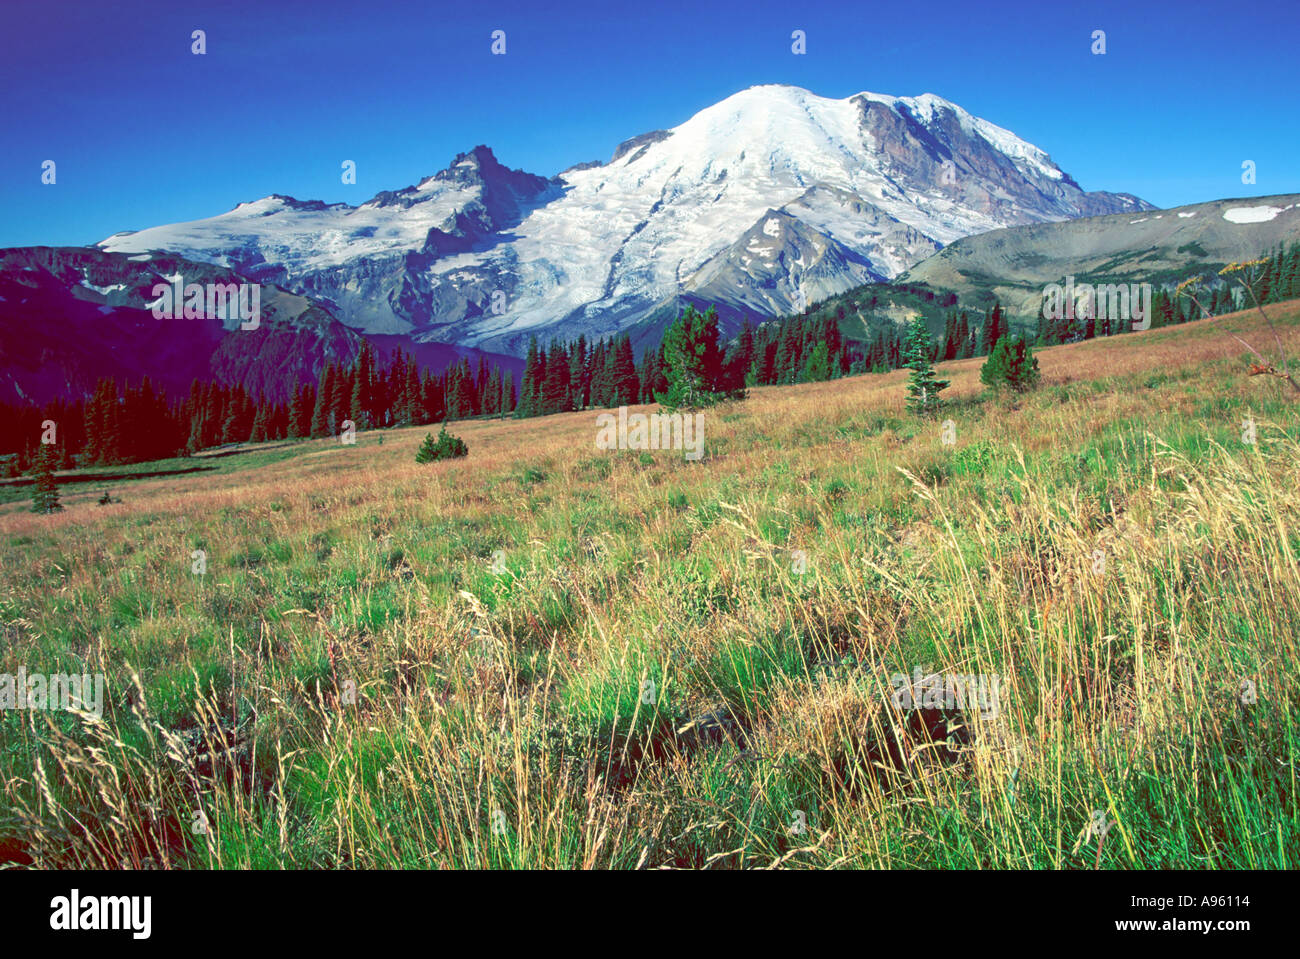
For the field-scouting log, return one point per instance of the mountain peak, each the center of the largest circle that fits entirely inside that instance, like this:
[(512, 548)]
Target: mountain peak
[(471, 166), (843, 191)]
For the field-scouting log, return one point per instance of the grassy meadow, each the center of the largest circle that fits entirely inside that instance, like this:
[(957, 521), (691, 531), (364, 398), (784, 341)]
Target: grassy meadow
[(643, 678)]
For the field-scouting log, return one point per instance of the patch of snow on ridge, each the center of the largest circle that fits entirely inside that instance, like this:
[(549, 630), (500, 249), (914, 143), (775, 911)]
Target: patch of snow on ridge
[(1251, 214), (104, 290)]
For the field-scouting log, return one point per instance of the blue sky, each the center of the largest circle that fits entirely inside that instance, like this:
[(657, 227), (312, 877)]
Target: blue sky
[(144, 132)]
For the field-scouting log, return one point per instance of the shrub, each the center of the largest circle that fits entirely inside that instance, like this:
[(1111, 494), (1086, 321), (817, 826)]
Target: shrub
[(445, 447), (1011, 365)]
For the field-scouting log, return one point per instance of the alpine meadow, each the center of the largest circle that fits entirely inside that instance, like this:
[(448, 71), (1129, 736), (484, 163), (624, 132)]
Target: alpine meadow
[(725, 469), (349, 684)]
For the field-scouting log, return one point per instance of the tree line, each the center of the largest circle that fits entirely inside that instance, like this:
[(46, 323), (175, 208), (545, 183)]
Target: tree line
[(691, 361), (120, 424)]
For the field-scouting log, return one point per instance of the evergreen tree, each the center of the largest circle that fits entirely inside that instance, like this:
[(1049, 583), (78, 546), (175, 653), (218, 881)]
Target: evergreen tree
[(508, 394), (433, 397), (763, 370), (818, 367), (531, 384), (300, 412), (555, 386), (692, 359), (362, 402), (1011, 365), (924, 386), (197, 429), (626, 385), (602, 388), (259, 430), (413, 398), (460, 392), (45, 492), (341, 404), (740, 368), (577, 373), (481, 377), (444, 447), (963, 337), (994, 329), (239, 418), (492, 393), (111, 436), (950, 343), (787, 354), (278, 422), (320, 419)]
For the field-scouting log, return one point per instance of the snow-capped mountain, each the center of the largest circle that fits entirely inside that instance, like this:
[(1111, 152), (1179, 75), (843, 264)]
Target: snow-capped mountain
[(771, 198)]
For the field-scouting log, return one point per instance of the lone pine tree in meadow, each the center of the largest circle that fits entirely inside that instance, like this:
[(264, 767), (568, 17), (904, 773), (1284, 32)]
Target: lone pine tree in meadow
[(924, 387), (45, 493)]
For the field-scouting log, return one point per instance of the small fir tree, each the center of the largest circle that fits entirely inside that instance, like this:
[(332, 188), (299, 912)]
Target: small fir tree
[(45, 492), (692, 363), (924, 387)]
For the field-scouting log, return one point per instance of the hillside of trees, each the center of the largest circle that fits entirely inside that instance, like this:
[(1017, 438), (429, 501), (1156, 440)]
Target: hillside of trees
[(120, 424)]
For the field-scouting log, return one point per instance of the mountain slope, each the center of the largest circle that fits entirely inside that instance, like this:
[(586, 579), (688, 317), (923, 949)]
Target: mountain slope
[(70, 316), (862, 188), (1015, 264)]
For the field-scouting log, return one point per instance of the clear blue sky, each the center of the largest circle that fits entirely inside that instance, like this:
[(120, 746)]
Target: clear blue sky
[(144, 132)]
